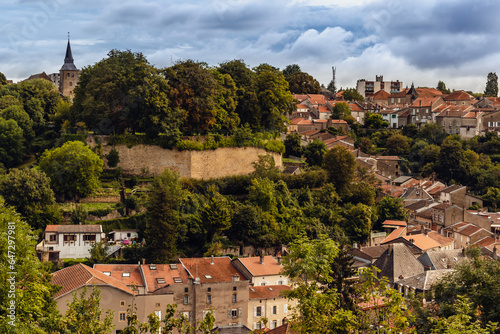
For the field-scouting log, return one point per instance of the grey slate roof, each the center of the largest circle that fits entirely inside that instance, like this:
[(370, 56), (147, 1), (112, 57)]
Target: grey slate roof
[(68, 60), (398, 262), (442, 259), (424, 281), (239, 329)]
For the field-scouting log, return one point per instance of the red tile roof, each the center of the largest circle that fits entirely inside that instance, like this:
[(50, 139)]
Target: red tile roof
[(424, 102), (394, 223), (422, 241), (80, 275), (355, 107), (317, 99), (253, 265), (338, 121), (459, 95), (441, 239), (283, 329), (153, 273), (387, 157), (267, 291), (381, 95), (74, 228), (117, 270), (323, 109), (216, 270), (394, 235)]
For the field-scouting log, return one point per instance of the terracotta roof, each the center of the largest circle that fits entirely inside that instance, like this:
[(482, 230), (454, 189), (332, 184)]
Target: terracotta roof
[(355, 107), (317, 99), (323, 109), (208, 270), (253, 265), (425, 214), (302, 106), (454, 111), (267, 291), (338, 121), (458, 95), (74, 228), (310, 132), (80, 275), (300, 120), (442, 206), (117, 272), (394, 234), (428, 92), (425, 102), (387, 157), (440, 239), (394, 223), (485, 242), (283, 329), (160, 275), (300, 97), (422, 241), (417, 205), (381, 95)]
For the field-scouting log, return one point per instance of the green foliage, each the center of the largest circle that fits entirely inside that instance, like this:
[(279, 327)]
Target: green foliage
[(441, 86), (491, 85), (293, 144), (22, 119), (164, 199), (397, 144), (351, 94), (291, 70), (265, 166), (493, 197), (216, 215), (35, 309), (85, 316), (3, 79), (113, 158), (340, 110), (389, 208), (340, 166), (375, 121), (331, 87), (365, 145), (452, 163), (12, 142), (98, 252), (303, 83), (357, 222), (74, 169), (314, 152), (29, 192), (433, 133), (261, 193)]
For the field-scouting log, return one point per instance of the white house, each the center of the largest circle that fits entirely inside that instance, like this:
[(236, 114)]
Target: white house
[(122, 235), (70, 241)]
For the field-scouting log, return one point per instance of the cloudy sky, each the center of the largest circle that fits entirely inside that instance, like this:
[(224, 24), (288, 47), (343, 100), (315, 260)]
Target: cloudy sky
[(423, 41)]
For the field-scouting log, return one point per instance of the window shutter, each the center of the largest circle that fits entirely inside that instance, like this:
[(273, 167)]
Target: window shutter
[(239, 311), (229, 313), (277, 309), (264, 311), (255, 311)]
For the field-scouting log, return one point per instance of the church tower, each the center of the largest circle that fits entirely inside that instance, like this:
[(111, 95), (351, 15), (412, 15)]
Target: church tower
[(68, 74)]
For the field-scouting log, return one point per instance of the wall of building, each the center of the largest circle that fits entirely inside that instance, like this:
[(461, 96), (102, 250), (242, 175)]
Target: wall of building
[(71, 249), (153, 160), (283, 311)]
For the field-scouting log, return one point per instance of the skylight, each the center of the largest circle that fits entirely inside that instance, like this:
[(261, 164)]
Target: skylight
[(160, 280), (108, 273), (208, 276), (177, 280), (173, 266), (125, 274), (152, 267)]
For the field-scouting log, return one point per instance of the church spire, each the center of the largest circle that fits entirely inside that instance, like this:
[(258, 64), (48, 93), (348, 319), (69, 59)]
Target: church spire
[(68, 59)]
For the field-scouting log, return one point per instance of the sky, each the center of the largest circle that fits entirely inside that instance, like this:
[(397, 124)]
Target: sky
[(424, 41)]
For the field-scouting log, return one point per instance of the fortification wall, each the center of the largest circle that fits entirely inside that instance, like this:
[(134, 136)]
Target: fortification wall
[(153, 160)]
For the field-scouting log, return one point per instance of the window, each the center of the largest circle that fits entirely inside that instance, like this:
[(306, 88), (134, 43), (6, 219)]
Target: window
[(125, 274), (185, 315), (177, 280), (235, 288), (186, 290), (235, 298), (209, 299), (186, 299), (122, 303), (107, 273), (68, 75), (128, 236), (52, 237), (208, 277), (258, 311), (257, 325), (70, 83), (89, 237), (72, 75), (123, 316), (262, 283), (157, 304), (209, 289), (458, 130), (234, 313), (274, 324), (285, 308), (160, 280), (274, 310), (152, 267), (69, 237)]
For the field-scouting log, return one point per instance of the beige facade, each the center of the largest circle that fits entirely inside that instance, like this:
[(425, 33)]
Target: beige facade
[(269, 304), (366, 88), (262, 271)]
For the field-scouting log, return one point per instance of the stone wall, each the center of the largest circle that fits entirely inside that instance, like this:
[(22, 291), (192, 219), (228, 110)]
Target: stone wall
[(153, 160)]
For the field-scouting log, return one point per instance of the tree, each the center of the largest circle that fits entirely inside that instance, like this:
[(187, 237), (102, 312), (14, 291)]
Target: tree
[(113, 158), (331, 87), (262, 193), (340, 110), (227, 120), (265, 166), (410, 130), (291, 70), (340, 166), (25, 280), (85, 316), (124, 92), (357, 222), (74, 169), (3, 79), (216, 216), (351, 94), (293, 144), (11, 143), (441, 86), (433, 133), (365, 144), (314, 152), (22, 119), (164, 199), (389, 208), (493, 196), (303, 83), (29, 192), (275, 99), (452, 164), (397, 144), (99, 252), (375, 121), (491, 85)]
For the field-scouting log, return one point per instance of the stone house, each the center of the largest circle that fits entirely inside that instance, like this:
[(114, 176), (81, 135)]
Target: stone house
[(466, 234), (461, 120), (491, 122), (423, 110), (268, 302), (459, 97), (262, 270)]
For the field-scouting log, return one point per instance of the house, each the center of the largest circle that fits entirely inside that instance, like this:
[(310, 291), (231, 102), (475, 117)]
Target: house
[(444, 215), (454, 194), (491, 122), (397, 263), (268, 302), (344, 141), (126, 236), (368, 254), (115, 295), (422, 282), (381, 97), (423, 110), (442, 259), (460, 119), (459, 97), (262, 270), (69, 241), (216, 286), (408, 96), (466, 234), (419, 243), (388, 166)]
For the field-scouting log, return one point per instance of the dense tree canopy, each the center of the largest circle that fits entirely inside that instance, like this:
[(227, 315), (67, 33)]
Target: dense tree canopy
[(340, 165), (491, 85), (303, 83), (74, 169), (12, 143), (351, 94)]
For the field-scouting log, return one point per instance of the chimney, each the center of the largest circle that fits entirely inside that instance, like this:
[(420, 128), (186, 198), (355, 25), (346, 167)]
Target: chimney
[(235, 278), (143, 261), (427, 268), (261, 259), (279, 260), (495, 256), (212, 259)]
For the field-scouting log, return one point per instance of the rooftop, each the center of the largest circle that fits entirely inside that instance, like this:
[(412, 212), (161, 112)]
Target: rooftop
[(212, 269)]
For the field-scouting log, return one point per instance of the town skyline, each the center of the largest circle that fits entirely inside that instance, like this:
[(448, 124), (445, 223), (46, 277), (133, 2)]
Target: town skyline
[(448, 41)]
